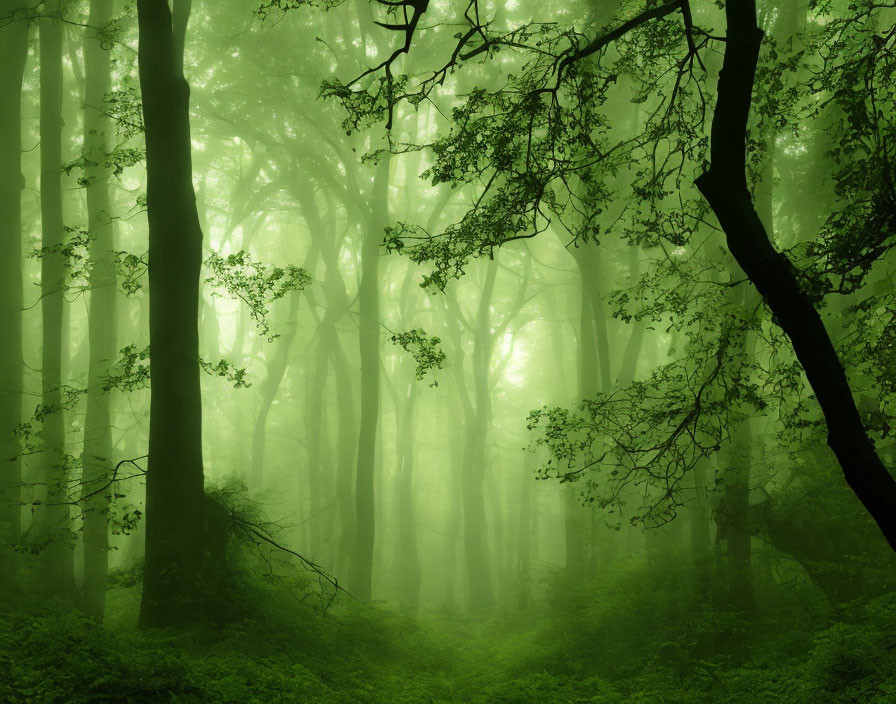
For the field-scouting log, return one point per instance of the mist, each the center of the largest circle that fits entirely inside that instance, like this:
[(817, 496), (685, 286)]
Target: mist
[(447, 352)]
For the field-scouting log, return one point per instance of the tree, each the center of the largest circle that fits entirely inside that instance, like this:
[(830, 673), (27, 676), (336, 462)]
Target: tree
[(13, 55), (57, 557), (176, 516), (102, 322), (369, 342), (725, 187), (542, 148)]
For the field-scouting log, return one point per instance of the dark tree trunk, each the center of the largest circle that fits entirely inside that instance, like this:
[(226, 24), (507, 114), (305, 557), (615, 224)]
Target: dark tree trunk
[(175, 498), (13, 54), (724, 186)]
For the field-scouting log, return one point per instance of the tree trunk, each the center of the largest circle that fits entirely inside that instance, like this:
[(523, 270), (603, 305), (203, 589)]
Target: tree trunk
[(57, 560), (102, 315), (369, 338), (175, 497), (698, 515), (319, 458), (276, 370), (454, 519), (319, 455), (724, 186), (732, 518), (407, 555), (13, 55), (408, 571), (524, 538), (628, 366), (346, 432), (479, 583)]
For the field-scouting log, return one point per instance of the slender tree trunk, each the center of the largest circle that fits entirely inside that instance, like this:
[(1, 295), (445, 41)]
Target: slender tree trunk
[(102, 316), (13, 55), (369, 336), (736, 503), (454, 519), (698, 514), (592, 353), (524, 539), (315, 424), (628, 366), (337, 305), (276, 370), (407, 556), (175, 497), (724, 186), (57, 560), (319, 459), (599, 311), (346, 432), (479, 583), (408, 571), (499, 550)]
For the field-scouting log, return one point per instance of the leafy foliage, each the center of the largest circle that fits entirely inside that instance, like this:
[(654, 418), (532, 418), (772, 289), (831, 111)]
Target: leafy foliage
[(130, 269), (652, 433), (276, 7), (130, 372), (541, 148), (29, 429), (115, 161), (126, 109), (226, 370), (426, 350), (853, 72), (255, 284), (74, 251)]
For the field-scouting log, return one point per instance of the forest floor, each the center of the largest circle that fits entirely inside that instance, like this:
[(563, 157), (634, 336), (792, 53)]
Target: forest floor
[(295, 653)]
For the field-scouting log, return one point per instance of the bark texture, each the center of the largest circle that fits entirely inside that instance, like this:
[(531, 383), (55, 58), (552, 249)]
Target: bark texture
[(175, 498)]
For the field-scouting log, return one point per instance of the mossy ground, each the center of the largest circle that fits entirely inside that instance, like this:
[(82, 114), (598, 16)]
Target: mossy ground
[(606, 644)]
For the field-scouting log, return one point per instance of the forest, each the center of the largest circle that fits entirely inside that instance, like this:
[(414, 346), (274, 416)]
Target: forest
[(398, 351)]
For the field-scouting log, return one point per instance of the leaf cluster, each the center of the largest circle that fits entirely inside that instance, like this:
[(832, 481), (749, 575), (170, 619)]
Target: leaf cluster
[(426, 350), (256, 284)]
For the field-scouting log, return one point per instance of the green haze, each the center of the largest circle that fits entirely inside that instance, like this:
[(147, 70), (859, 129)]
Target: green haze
[(429, 351)]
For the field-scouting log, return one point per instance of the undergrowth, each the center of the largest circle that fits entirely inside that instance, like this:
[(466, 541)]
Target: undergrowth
[(628, 639)]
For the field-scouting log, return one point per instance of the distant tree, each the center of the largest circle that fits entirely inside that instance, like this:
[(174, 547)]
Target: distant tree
[(13, 56), (541, 150), (53, 521), (102, 321)]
